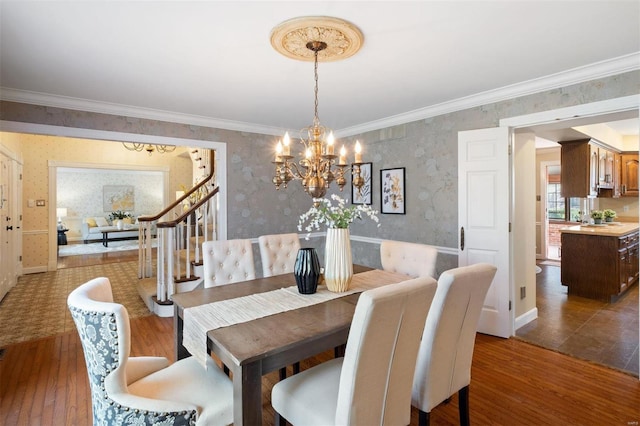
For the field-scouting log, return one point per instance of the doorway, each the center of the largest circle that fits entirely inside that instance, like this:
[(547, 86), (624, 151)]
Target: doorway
[(582, 328), (92, 134), (551, 211)]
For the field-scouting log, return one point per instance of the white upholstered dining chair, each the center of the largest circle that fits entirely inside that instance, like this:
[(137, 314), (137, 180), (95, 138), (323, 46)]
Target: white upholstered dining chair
[(278, 253), (415, 260), (227, 261), (446, 351), (371, 385), (141, 390)]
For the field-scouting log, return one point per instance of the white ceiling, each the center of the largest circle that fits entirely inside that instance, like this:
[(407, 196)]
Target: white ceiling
[(212, 61)]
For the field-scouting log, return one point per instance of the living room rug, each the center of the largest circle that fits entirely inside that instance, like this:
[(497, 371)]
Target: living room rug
[(98, 248), (37, 306)]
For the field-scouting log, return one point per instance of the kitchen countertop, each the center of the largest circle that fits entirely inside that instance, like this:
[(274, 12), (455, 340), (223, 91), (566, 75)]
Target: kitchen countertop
[(616, 229)]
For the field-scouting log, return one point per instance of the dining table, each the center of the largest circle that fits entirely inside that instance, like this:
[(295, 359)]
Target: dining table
[(256, 347)]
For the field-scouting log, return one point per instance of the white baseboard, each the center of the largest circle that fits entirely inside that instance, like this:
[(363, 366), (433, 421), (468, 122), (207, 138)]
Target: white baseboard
[(34, 270), (526, 318)]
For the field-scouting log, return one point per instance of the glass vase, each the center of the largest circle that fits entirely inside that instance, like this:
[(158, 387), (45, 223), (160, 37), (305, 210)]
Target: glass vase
[(338, 266)]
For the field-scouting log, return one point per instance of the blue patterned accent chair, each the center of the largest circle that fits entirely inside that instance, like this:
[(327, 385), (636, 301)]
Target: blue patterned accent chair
[(141, 390)]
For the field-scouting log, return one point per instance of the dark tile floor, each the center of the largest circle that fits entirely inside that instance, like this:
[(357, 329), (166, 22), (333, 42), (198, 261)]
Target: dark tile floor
[(606, 333)]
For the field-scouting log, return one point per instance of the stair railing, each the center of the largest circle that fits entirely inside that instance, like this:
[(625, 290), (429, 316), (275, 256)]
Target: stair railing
[(179, 239), (176, 244)]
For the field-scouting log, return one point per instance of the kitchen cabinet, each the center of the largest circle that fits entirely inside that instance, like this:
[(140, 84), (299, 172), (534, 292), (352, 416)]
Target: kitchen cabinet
[(629, 175), (589, 169), (599, 265), (579, 169), (605, 168)]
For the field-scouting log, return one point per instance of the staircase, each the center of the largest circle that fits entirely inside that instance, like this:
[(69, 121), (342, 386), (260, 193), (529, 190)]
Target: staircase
[(177, 265)]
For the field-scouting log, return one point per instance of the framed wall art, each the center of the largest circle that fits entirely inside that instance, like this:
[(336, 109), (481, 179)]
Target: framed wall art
[(392, 191), (118, 197), (362, 195)]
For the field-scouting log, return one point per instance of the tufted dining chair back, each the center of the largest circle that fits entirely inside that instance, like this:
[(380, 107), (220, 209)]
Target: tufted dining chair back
[(226, 262), (278, 253), (446, 350), (371, 385), (415, 260), (141, 390)]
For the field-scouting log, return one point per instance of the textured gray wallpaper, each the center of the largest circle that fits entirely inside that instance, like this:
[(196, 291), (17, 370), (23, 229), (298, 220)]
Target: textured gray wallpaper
[(426, 148)]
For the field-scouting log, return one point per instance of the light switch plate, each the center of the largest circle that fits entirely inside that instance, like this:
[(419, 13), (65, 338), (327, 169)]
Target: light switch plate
[(39, 203)]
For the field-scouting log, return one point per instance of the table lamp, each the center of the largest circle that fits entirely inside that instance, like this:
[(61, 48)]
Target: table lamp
[(60, 212)]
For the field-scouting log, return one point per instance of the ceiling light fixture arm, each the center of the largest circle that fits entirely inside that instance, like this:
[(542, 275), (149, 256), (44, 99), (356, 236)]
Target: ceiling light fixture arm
[(319, 165)]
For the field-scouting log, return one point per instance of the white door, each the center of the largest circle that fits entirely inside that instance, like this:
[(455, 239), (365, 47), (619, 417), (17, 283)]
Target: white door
[(6, 248), (483, 218)]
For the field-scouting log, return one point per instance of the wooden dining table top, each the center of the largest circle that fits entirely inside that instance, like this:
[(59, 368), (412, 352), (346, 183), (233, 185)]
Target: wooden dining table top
[(254, 348)]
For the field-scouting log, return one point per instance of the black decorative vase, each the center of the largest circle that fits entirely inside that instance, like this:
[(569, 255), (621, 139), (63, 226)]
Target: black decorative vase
[(307, 270)]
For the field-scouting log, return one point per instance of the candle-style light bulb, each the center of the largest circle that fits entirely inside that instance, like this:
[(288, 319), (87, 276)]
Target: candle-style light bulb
[(330, 141), (287, 142), (343, 156), (358, 156), (307, 154), (278, 150)]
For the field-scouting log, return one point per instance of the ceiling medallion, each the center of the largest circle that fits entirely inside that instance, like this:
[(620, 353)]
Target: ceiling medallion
[(343, 39), (318, 165)]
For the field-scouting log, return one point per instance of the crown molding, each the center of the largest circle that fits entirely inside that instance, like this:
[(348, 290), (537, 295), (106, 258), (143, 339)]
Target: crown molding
[(55, 101), (594, 71), (597, 70)]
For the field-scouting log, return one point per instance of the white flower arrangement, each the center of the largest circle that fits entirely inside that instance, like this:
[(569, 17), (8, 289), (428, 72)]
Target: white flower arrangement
[(338, 216)]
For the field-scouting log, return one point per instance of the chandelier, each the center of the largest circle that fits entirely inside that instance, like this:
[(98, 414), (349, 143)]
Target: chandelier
[(308, 38), (150, 148)]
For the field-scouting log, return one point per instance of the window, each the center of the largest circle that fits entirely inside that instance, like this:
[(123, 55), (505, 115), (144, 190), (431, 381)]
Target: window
[(555, 202), (559, 208)]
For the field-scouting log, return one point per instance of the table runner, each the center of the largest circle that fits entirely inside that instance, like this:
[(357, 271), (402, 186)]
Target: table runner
[(201, 319)]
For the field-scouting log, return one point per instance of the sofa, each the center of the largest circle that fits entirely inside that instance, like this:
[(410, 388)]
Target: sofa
[(92, 228)]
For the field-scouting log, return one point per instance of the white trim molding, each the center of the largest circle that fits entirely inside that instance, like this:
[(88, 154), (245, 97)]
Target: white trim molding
[(66, 102), (526, 318), (601, 69), (619, 65)]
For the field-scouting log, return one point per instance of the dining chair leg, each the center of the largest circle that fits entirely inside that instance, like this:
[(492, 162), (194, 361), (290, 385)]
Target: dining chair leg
[(278, 420), (423, 418), (463, 405), (282, 373)]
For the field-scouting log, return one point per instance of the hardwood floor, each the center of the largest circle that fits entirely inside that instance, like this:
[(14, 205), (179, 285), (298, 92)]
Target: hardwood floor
[(96, 259), (44, 382), (598, 331)]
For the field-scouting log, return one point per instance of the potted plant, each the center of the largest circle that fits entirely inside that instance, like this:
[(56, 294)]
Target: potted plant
[(597, 216), (609, 215), (117, 216), (338, 269)]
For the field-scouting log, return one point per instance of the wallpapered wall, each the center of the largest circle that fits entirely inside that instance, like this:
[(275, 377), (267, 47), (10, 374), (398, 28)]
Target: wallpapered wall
[(426, 148), (37, 150), (86, 200)]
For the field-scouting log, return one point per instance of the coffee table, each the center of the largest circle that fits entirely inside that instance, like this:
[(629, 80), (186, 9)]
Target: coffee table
[(105, 234)]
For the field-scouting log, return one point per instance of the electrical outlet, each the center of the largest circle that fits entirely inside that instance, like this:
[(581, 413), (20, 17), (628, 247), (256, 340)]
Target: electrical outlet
[(523, 292), (39, 203)]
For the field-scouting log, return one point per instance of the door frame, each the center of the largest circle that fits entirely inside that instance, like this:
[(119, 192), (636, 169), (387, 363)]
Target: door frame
[(567, 117), (544, 222), (74, 132)]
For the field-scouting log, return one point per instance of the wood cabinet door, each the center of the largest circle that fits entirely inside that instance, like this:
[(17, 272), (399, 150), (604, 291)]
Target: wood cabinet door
[(629, 171), (623, 270), (594, 162), (617, 171)]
